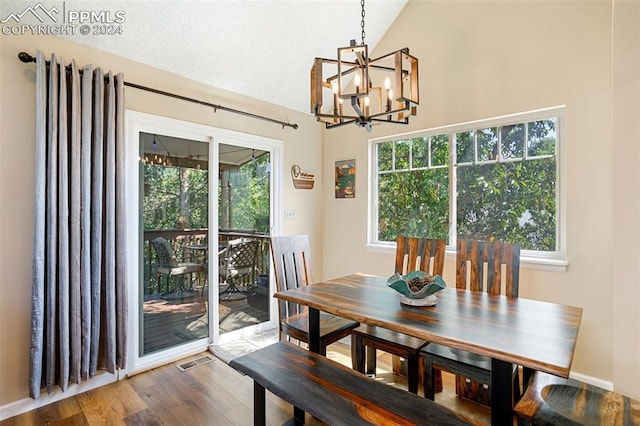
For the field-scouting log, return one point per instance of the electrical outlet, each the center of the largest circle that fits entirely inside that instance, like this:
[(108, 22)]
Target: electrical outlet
[(289, 215)]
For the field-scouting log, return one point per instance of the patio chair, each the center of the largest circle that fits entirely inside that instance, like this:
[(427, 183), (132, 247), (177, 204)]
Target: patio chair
[(422, 254), (237, 266), (473, 372), (292, 264), (169, 266)]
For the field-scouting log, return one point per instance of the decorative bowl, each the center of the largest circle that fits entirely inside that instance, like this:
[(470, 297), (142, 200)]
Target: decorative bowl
[(425, 296)]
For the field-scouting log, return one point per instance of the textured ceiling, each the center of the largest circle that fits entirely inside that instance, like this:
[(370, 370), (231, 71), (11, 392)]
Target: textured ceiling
[(263, 49)]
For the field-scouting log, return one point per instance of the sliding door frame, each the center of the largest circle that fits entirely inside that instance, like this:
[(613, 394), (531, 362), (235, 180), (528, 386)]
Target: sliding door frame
[(136, 123)]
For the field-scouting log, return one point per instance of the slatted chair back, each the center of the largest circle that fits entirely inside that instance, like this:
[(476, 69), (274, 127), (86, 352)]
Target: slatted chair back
[(480, 266), (292, 264), (240, 257), (420, 254)]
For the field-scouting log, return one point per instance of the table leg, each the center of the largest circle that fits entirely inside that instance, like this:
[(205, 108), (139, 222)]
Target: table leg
[(259, 405), (298, 416), (501, 392), (314, 330)]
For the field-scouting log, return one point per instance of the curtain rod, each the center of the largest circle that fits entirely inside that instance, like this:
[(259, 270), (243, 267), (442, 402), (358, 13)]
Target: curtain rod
[(26, 58)]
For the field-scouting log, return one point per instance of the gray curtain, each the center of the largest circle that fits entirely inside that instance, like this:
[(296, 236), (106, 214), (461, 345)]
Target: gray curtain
[(78, 304)]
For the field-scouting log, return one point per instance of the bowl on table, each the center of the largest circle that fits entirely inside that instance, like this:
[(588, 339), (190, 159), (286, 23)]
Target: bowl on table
[(417, 288)]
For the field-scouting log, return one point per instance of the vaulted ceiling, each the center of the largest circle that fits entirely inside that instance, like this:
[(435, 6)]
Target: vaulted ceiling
[(263, 49)]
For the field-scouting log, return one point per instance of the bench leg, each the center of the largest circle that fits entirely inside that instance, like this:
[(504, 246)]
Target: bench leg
[(259, 405)]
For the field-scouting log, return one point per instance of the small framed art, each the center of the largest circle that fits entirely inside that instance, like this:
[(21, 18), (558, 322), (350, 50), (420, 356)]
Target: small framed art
[(345, 179)]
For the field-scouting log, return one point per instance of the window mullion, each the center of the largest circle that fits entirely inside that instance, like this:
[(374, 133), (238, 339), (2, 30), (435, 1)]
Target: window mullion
[(453, 205)]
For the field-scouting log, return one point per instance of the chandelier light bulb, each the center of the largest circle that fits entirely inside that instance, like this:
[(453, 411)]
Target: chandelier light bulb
[(387, 83)]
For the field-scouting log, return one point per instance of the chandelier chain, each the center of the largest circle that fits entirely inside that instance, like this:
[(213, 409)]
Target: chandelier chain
[(362, 21)]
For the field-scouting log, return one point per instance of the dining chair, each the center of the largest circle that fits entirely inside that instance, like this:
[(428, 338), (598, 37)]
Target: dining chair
[(169, 265), (237, 266), (292, 264), (412, 254), (501, 261)]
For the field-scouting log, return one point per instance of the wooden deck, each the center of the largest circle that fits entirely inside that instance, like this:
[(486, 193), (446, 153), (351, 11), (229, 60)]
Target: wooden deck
[(172, 320)]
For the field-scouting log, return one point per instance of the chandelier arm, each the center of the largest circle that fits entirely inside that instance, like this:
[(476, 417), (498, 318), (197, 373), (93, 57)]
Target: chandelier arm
[(331, 126), (345, 117), (379, 120)]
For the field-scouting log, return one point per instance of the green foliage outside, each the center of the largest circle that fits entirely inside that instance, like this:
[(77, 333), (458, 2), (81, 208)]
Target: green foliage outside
[(162, 197), (249, 196), (513, 199)]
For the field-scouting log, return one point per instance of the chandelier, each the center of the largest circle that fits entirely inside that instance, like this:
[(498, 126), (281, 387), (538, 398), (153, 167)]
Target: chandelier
[(362, 90)]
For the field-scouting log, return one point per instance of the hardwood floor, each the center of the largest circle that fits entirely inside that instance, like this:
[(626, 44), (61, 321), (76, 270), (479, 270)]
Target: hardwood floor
[(209, 394)]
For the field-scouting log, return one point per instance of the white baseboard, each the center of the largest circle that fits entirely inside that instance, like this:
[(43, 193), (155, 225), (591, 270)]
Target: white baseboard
[(592, 381), (28, 404)]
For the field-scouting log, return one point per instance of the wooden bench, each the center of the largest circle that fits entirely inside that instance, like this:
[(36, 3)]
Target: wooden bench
[(552, 400), (332, 392)]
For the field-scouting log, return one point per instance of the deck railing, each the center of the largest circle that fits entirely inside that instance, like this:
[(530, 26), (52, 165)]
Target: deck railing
[(179, 238)]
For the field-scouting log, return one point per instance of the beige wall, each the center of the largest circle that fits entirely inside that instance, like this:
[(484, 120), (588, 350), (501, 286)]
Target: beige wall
[(480, 59), (17, 129), (626, 197)]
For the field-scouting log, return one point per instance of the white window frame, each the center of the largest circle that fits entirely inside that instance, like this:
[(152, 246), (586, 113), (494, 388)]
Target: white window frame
[(555, 261)]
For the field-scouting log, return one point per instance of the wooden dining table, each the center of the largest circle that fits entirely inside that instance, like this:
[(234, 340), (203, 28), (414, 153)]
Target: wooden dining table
[(534, 334)]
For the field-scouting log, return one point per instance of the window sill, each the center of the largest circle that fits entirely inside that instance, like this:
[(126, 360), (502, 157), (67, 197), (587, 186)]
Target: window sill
[(527, 262)]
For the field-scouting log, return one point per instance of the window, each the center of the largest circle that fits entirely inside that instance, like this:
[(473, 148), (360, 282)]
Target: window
[(491, 179)]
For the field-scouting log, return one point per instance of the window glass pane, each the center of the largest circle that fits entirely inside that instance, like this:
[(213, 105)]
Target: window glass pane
[(505, 186), (413, 203), (513, 201), (487, 144), (542, 137), (512, 141), (419, 152), (244, 200), (385, 156), (464, 147), (402, 154), (440, 150), (174, 213)]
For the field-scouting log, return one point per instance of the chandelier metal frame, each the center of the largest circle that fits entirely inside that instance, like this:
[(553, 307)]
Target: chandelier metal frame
[(384, 89)]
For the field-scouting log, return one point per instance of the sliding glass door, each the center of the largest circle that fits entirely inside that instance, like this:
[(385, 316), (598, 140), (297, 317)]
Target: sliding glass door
[(198, 236), (174, 215), (244, 218)]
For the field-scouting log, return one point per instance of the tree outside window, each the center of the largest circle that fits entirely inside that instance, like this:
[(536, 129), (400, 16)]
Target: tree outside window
[(504, 180)]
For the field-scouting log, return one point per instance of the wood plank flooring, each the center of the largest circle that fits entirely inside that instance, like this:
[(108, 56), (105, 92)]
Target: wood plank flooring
[(171, 321), (209, 394)]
